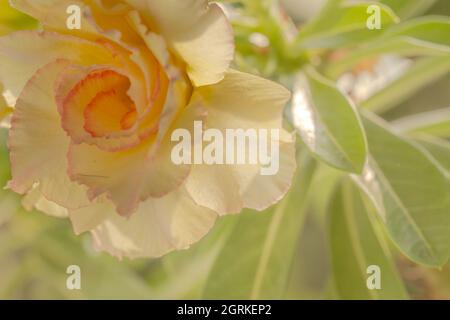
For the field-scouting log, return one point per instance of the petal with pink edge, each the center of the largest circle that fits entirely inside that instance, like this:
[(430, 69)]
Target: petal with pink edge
[(38, 145), (132, 175), (41, 48)]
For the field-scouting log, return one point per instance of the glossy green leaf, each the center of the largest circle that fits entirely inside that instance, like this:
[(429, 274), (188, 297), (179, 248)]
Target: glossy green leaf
[(255, 261), (345, 24), (328, 123), (356, 245), (421, 74), (411, 193)]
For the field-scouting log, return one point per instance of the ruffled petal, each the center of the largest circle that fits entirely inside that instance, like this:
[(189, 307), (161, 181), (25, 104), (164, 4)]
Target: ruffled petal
[(199, 32), (243, 101), (35, 199), (100, 23), (78, 90), (41, 48), (87, 218), (132, 175), (159, 226), (155, 42), (38, 145), (261, 191)]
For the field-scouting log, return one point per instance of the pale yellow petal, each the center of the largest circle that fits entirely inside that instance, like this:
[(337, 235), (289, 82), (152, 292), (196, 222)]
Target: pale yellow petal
[(132, 175), (199, 32), (23, 53), (243, 101), (38, 145), (35, 199), (215, 187), (261, 191), (89, 217), (155, 42), (209, 52), (98, 23), (162, 225), (52, 13)]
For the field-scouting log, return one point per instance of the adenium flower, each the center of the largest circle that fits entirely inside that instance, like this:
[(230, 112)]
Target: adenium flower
[(95, 108)]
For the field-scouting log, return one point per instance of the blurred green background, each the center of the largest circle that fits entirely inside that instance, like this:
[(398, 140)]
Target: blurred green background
[(35, 249)]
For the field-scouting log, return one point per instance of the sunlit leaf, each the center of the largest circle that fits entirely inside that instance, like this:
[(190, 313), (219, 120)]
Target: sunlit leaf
[(411, 193), (328, 123)]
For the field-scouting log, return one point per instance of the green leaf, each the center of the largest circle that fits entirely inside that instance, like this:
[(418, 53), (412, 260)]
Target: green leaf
[(439, 149), (403, 46), (435, 122), (421, 74), (356, 244), (323, 184), (408, 8), (9, 201), (4, 159), (328, 123), (316, 24), (343, 25), (425, 36), (11, 19), (255, 261), (183, 274), (430, 29), (411, 193)]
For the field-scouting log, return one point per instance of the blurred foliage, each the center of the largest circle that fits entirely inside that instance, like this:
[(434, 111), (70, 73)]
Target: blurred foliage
[(11, 20), (373, 186)]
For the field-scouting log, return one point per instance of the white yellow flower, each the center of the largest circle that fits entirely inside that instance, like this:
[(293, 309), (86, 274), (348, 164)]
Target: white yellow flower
[(90, 132)]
